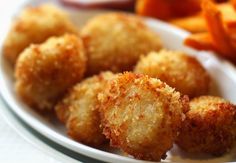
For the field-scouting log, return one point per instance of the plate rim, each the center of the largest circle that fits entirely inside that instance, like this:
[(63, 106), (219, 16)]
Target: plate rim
[(14, 123), (67, 142)]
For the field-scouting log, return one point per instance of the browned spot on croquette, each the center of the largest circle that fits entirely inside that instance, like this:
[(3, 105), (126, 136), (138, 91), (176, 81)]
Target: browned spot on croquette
[(141, 115), (180, 71), (35, 25), (79, 110), (44, 72), (115, 41), (209, 126)]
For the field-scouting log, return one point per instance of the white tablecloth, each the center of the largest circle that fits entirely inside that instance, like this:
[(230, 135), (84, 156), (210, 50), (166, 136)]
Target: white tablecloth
[(14, 149)]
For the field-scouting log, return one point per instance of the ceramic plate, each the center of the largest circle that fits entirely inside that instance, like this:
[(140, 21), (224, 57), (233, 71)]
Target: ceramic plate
[(222, 73)]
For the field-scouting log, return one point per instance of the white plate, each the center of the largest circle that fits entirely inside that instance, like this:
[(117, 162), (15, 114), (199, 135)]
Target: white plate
[(28, 134), (223, 74)]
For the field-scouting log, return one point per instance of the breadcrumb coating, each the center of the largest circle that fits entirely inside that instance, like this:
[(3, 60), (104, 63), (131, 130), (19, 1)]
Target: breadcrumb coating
[(180, 71), (210, 126), (45, 71), (115, 41), (79, 110), (35, 25), (141, 115)]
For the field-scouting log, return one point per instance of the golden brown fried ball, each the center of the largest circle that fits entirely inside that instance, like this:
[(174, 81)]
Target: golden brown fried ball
[(141, 115), (35, 25), (178, 70), (79, 110), (44, 72), (209, 126), (115, 41)]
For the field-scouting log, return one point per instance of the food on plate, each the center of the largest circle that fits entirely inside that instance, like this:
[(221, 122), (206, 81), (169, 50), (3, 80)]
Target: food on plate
[(209, 126), (79, 110), (220, 35), (35, 25), (167, 9), (220, 39), (141, 115), (197, 23), (115, 41), (180, 71), (233, 3), (200, 41), (228, 11), (93, 4), (45, 71), (194, 24), (90, 85)]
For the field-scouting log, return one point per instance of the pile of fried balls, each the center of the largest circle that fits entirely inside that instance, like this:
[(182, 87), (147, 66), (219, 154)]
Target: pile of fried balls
[(112, 81)]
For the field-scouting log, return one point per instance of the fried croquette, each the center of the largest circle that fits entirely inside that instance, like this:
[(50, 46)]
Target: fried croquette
[(180, 71), (115, 42), (209, 126), (35, 25), (45, 71), (141, 115), (79, 110)]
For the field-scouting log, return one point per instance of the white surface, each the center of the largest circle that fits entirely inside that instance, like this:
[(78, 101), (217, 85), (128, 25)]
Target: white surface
[(19, 144), (222, 73), (13, 147)]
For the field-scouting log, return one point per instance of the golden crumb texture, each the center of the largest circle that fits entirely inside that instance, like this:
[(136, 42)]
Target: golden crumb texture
[(141, 115), (177, 69), (115, 41), (210, 126), (35, 25), (79, 110), (45, 71)]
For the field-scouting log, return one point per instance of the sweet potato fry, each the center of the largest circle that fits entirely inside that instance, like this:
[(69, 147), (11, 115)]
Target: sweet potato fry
[(200, 41), (194, 24), (231, 26), (233, 42), (233, 2), (197, 24), (220, 39), (229, 16), (164, 9), (182, 8), (227, 11), (221, 36), (153, 8)]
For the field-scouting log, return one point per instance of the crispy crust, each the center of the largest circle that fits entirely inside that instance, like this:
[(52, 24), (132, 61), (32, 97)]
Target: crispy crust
[(28, 28), (115, 42), (141, 115), (209, 126), (178, 70), (44, 72), (79, 110)]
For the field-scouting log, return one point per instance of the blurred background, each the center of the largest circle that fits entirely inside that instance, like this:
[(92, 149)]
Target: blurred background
[(212, 23)]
